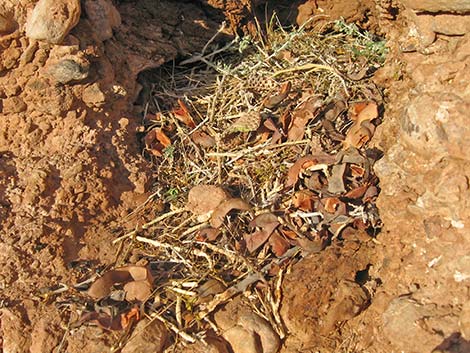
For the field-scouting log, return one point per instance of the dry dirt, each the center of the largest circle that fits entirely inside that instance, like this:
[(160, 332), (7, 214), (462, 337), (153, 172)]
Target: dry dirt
[(71, 171)]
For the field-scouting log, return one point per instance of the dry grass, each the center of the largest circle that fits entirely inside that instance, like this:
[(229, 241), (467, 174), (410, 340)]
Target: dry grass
[(220, 86)]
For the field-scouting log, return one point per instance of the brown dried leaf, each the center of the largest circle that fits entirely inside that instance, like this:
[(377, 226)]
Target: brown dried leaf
[(246, 123), (357, 192), (318, 161), (264, 220), (224, 208), (255, 240), (137, 290), (331, 204), (203, 199), (156, 141), (208, 234), (279, 245), (304, 200), (182, 114), (336, 179), (103, 320), (362, 130), (273, 101), (103, 285), (202, 139)]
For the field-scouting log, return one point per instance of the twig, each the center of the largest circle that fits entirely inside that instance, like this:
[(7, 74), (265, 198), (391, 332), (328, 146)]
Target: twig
[(149, 224)]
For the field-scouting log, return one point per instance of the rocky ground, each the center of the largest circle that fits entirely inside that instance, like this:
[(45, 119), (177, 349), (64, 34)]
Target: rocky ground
[(71, 171)]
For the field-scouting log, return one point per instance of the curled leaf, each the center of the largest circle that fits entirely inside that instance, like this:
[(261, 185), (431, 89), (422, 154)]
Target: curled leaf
[(311, 162), (273, 101), (103, 285), (183, 114), (156, 141), (268, 222), (304, 200), (224, 208)]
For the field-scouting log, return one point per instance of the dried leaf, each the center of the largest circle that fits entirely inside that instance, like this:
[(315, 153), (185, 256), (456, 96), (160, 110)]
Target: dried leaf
[(331, 204), (246, 123), (137, 291), (255, 240), (279, 245), (371, 193), (203, 199), (202, 139), (224, 208), (362, 130), (268, 222), (208, 234), (336, 179), (312, 162), (130, 317), (304, 200), (103, 320), (311, 246), (265, 220), (103, 285), (299, 122), (156, 141), (273, 101), (182, 114), (356, 193)]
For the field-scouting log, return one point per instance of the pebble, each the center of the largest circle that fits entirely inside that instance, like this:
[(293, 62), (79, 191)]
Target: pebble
[(52, 20), (68, 70), (103, 17), (93, 96)]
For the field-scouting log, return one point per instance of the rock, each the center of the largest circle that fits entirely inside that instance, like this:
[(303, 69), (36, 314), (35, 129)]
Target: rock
[(148, 337), (10, 57), (401, 325), (93, 96), (245, 331), (12, 332), (45, 336), (103, 17), (7, 24), (68, 70), (213, 345), (13, 105), (460, 6), (464, 321), (52, 20)]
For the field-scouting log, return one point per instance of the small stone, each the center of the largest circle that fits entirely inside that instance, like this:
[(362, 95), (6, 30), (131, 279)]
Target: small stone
[(7, 25), (246, 331), (148, 337), (13, 105), (10, 57), (93, 96), (52, 20), (103, 17), (68, 70)]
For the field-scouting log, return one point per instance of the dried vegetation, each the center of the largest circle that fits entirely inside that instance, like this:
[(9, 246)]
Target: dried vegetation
[(260, 152)]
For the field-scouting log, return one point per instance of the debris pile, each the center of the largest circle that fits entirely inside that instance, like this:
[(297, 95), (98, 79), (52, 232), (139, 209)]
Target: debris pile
[(261, 157)]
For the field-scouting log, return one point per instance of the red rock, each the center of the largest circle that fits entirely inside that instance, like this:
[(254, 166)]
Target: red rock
[(103, 17), (438, 5)]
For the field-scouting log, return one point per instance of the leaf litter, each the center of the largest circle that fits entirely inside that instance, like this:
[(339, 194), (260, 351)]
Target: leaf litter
[(261, 157)]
